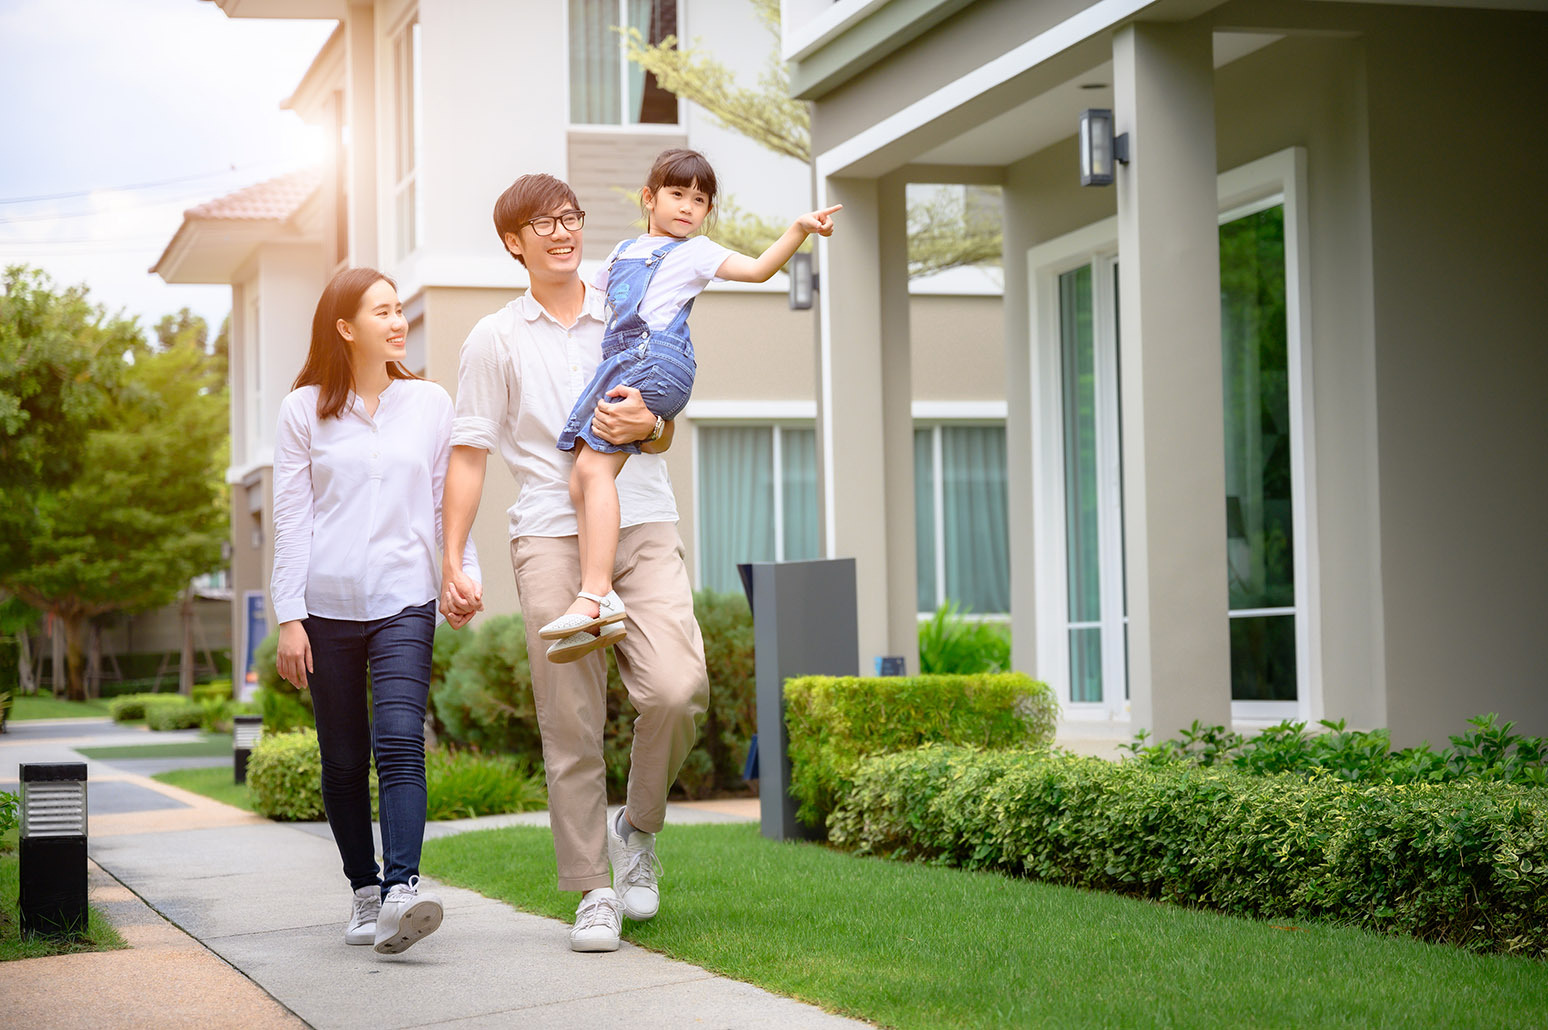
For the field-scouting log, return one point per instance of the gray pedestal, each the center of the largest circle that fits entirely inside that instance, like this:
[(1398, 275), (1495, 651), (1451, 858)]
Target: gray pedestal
[(805, 623)]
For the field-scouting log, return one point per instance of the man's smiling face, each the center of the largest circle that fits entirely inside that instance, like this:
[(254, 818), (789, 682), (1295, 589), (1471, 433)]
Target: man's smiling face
[(550, 257)]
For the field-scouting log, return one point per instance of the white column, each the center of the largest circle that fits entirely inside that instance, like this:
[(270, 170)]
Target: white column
[(865, 421), (1173, 436)]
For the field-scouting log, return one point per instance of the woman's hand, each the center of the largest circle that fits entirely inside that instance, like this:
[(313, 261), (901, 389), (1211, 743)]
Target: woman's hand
[(294, 660)]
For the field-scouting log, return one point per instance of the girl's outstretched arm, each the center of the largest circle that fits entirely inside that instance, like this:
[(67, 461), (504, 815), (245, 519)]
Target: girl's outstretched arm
[(743, 269)]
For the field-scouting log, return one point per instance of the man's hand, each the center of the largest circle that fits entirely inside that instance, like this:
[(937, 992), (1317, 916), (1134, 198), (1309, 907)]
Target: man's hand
[(626, 421), (293, 660)]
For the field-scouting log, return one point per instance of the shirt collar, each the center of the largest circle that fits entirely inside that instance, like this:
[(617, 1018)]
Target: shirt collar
[(593, 307)]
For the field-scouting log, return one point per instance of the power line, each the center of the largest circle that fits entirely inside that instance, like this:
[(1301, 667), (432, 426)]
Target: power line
[(229, 169)]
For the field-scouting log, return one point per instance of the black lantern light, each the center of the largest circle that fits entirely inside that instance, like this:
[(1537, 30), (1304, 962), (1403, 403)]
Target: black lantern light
[(52, 858)]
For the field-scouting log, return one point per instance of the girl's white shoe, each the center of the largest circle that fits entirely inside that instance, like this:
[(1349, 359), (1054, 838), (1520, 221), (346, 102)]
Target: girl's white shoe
[(609, 609)]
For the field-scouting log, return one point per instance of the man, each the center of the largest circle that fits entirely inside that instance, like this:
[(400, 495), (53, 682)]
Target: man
[(521, 370)]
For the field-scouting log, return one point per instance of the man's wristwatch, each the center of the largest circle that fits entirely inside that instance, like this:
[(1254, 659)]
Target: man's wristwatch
[(655, 434)]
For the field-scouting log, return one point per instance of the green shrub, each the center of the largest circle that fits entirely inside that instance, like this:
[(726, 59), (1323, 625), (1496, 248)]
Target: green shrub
[(1490, 752), (133, 707), (284, 707), (834, 722), (950, 644), (214, 688), (10, 818), (284, 777), (1463, 862), (464, 784), (185, 715), (484, 699)]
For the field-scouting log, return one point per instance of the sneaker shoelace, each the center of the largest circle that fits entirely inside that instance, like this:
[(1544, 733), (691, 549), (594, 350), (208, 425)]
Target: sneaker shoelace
[(403, 891), (596, 910), (642, 870), (366, 908)]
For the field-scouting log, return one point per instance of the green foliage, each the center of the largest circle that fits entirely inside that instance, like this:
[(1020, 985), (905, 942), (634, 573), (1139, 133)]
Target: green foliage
[(214, 688), (122, 462), (950, 644), (835, 722), (283, 707), (134, 707), (284, 777), (185, 715), (5, 707), (1464, 862), (10, 818), (10, 671), (1489, 752), (464, 784), (483, 699)]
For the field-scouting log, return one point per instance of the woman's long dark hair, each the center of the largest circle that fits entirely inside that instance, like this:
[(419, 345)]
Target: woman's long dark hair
[(327, 361)]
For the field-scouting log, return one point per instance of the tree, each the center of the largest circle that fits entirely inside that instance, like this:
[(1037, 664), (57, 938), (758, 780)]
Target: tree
[(946, 230), (127, 505)]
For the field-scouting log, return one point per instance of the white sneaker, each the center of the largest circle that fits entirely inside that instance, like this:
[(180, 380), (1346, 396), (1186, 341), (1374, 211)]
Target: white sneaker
[(635, 868), (362, 921), (407, 915), (598, 921)]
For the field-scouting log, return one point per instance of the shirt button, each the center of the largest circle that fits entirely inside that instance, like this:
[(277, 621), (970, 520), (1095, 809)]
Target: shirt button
[(376, 454), (574, 368)]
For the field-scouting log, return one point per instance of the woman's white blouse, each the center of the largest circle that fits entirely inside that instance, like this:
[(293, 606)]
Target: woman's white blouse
[(357, 504)]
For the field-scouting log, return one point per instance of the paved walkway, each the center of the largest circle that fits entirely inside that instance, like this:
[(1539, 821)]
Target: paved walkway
[(236, 921)]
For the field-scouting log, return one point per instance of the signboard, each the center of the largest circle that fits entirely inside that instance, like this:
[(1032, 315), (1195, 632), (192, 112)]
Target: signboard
[(255, 626)]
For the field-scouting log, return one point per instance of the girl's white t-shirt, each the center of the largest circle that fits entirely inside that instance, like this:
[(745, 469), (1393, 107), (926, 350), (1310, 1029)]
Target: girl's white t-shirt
[(683, 274)]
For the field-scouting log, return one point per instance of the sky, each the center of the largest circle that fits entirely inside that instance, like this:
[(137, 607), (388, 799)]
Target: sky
[(121, 114)]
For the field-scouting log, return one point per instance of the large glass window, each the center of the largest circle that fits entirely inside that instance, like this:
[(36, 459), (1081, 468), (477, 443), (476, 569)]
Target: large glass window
[(1260, 535), (606, 88), (757, 494), (961, 537)]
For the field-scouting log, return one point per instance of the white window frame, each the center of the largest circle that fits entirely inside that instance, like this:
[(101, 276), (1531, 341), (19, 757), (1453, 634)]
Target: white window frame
[(676, 128), (407, 237), (1279, 178), (777, 416)]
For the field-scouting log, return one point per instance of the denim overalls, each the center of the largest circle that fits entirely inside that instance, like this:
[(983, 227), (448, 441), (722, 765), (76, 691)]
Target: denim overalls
[(658, 364)]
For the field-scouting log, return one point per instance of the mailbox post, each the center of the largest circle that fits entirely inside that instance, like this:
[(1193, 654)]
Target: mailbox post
[(805, 623)]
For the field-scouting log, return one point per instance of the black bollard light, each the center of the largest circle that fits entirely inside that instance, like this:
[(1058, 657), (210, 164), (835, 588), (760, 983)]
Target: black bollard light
[(246, 729), (52, 860)]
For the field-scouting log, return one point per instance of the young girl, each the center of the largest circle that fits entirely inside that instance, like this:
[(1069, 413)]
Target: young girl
[(651, 283), (359, 461)]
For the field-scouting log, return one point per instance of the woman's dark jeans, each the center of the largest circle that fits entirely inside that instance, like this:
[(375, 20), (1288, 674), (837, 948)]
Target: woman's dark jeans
[(397, 651)]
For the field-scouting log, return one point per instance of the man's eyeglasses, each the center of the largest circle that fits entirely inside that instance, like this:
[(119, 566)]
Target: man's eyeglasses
[(544, 225)]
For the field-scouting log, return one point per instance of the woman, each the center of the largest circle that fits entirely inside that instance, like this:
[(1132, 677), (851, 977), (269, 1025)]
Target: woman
[(359, 461)]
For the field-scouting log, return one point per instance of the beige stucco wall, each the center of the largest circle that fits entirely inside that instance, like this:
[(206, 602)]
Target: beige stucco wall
[(1459, 213)]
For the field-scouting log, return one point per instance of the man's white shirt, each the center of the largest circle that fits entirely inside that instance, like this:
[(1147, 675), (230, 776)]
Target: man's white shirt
[(520, 374)]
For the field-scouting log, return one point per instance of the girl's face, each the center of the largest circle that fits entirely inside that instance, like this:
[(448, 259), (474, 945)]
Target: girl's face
[(378, 333), (676, 210)]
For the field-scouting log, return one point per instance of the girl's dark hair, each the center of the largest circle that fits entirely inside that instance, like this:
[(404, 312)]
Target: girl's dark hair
[(328, 363), (680, 167)]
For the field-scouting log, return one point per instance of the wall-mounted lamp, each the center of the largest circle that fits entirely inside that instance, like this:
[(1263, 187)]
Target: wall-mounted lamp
[(51, 863), (803, 282), (245, 731), (1099, 149)]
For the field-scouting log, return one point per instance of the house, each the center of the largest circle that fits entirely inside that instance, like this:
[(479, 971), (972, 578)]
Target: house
[(1275, 436), (432, 108)]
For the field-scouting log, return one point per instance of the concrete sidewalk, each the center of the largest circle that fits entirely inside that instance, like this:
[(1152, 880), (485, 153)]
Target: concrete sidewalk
[(269, 900)]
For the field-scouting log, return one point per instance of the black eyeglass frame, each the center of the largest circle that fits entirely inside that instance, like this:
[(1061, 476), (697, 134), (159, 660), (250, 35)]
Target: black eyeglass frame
[(557, 220)]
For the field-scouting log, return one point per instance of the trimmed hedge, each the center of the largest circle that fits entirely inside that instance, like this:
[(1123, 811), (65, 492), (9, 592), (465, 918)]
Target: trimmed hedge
[(835, 721), (187, 715), (132, 707), (284, 778), (1464, 862)]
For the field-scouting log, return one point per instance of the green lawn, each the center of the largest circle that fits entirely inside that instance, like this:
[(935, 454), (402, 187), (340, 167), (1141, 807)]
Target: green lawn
[(99, 936), (214, 782), (908, 945), (46, 706), (209, 745)]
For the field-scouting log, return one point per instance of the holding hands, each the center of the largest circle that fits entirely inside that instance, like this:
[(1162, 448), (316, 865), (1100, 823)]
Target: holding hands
[(462, 597)]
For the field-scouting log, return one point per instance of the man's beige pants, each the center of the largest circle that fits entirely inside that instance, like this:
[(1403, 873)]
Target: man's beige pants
[(661, 662)]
